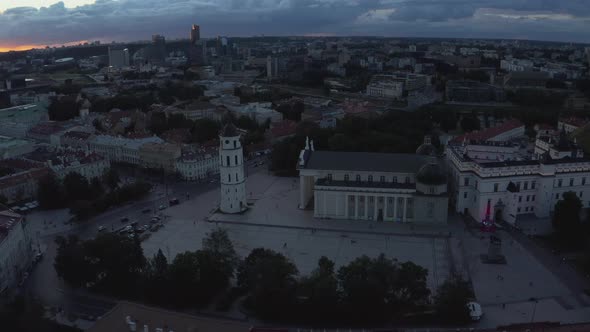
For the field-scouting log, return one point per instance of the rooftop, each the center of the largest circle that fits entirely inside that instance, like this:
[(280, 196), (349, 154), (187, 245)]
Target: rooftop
[(486, 134), (8, 220), (365, 161)]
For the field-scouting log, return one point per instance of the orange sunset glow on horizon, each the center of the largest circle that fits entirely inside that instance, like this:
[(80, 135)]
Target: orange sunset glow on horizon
[(26, 47)]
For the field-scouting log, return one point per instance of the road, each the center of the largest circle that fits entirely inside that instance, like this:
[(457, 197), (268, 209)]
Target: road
[(45, 285)]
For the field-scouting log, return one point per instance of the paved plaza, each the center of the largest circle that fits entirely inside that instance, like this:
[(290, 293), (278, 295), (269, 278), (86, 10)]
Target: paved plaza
[(275, 222)]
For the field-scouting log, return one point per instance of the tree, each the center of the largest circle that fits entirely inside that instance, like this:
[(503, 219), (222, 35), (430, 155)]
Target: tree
[(63, 109), (411, 291), (96, 189), (76, 187), (469, 123), (321, 299), (50, 193), (566, 220), (156, 279), (367, 285), (185, 276), (270, 279), (70, 261), (451, 300), (111, 178), (205, 130), (220, 246), (116, 263)]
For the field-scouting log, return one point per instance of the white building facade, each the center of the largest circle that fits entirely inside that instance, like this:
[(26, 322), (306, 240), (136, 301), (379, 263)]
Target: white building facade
[(231, 171), (16, 251), (198, 165), (514, 188), (403, 188)]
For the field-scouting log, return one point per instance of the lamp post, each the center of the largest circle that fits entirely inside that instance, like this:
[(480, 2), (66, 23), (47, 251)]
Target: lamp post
[(535, 301)]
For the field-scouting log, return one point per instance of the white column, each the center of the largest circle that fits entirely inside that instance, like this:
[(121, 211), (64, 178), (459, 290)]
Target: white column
[(356, 207), (375, 204), (366, 207), (405, 207), (385, 199), (346, 198), (394, 208), (302, 192)]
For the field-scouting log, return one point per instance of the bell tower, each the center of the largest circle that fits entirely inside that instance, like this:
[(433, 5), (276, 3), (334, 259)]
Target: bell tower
[(231, 171)]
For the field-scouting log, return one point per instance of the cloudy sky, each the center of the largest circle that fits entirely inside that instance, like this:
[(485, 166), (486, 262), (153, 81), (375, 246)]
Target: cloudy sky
[(46, 22)]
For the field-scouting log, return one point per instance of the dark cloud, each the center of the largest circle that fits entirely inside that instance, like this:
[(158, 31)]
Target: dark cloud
[(138, 19)]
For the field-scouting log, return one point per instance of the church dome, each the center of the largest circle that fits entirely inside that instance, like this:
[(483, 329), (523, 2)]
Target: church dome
[(229, 130), (431, 174), (427, 148)]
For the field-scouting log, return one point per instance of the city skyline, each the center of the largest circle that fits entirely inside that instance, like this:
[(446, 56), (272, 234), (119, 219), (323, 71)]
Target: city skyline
[(78, 21)]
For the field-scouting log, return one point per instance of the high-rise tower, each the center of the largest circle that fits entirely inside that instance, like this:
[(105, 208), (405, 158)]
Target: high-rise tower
[(231, 171)]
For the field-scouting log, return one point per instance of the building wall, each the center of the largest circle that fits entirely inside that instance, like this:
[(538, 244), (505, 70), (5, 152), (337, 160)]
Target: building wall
[(539, 186), (16, 256), (231, 171), (198, 169)]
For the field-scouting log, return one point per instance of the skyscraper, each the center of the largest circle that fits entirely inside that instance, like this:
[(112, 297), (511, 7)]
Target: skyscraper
[(195, 34), (158, 49), (197, 49), (118, 57)]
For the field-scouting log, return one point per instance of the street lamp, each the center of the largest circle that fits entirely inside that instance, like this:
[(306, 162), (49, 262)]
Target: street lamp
[(535, 301)]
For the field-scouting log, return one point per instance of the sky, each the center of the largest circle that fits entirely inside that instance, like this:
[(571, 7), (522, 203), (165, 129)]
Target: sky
[(27, 23)]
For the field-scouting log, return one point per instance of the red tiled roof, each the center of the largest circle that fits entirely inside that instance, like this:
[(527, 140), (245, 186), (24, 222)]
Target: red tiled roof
[(283, 128), (490, 133), (574, 121)]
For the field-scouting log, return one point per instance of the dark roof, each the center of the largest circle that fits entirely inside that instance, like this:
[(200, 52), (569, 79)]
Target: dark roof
[(366, 161), (229, 130), (431, 173)]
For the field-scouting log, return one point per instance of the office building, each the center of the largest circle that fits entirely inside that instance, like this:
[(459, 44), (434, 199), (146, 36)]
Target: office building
[(118, 57)]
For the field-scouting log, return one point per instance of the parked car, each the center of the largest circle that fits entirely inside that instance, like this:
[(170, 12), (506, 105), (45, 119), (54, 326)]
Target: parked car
[(475, 311)]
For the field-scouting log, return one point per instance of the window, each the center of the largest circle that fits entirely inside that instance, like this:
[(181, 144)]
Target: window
[(229, 178), (227, 161), (559, 182), (571, 182), (526, 185), (358, 178), (518, 210), (346, 177), (236, 158), (556, 196), (583, 181), (431, 190), (526, 209), (237, 177), (533, 198), (519, 199), (532, 208), (235, 144), (329, 177), (528, 198), (475, 184), (407, 179), (466, 180), (395, 179), (495, 187), (533, 184), (370, 178), (518, 186), (382, 179), (465, 195), (371, 199)]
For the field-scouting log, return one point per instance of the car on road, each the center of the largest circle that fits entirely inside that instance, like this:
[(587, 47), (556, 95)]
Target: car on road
[(125, 219), (146, 210), (174, 201), (162, 207), (101, 229), (475, 311)]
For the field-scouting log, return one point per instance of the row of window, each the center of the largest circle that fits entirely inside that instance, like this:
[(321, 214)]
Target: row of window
[(370, 178), (560, 182), (228, 161), (526, 209), (580, 195)]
